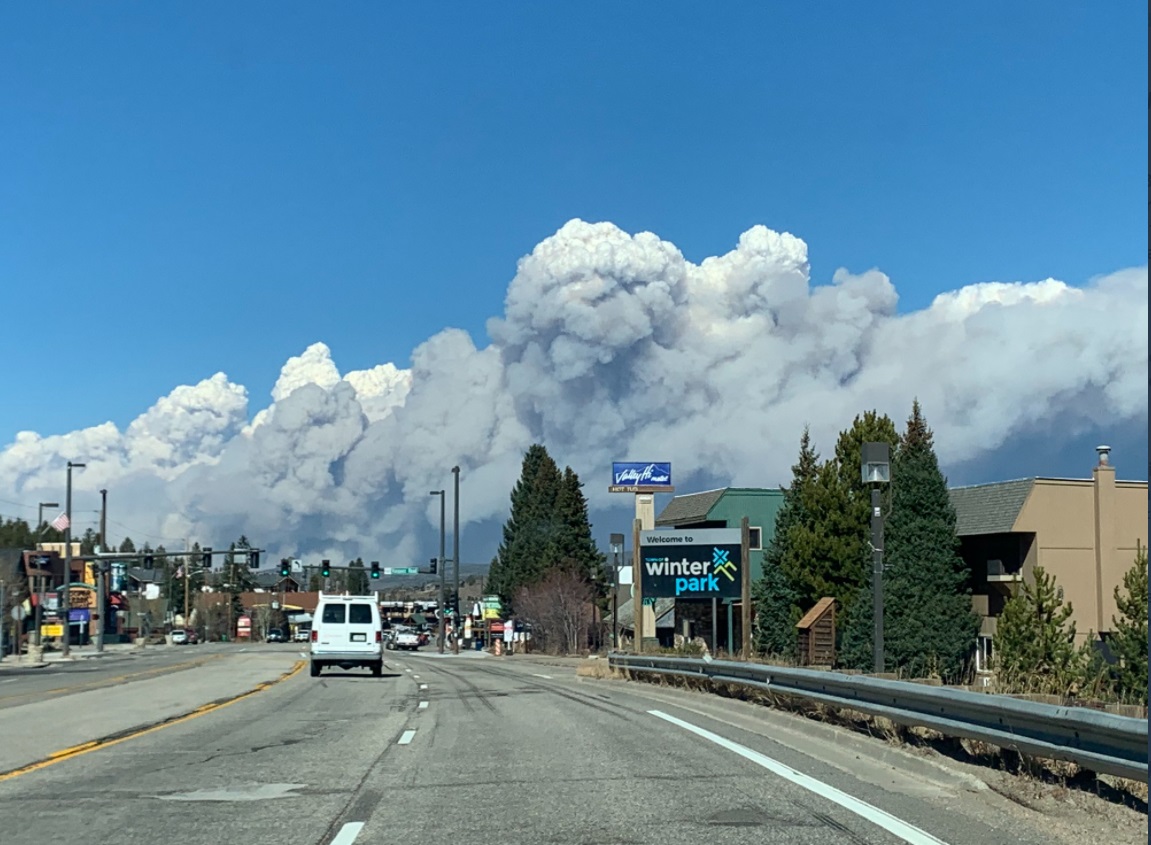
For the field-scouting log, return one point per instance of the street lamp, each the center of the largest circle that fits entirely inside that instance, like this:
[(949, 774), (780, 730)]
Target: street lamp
[(876, 469), (616, 543), (66, 591), (456, 558), (443, 584), (38, 621)]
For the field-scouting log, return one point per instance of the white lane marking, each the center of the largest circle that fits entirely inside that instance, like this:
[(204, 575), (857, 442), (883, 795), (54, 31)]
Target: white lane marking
[(422, 686), (905, 831), (536, 674), (348, 833), (423, 704), (62, 578), (8, 680), (406, 738)]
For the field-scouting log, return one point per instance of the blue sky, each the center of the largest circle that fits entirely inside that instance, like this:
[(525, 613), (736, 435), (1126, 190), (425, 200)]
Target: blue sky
[(186, 188)]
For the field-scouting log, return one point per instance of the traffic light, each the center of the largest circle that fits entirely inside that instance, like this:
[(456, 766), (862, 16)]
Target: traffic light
[(149, 562), (206, 557), (285, 567), (325, 568), (253, 558), (375, 569), (435, 566)]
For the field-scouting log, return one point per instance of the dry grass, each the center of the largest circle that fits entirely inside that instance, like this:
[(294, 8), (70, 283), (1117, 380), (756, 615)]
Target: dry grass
[(598, 669)]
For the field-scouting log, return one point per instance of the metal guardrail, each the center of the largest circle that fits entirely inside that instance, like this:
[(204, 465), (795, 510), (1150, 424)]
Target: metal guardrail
[(1100, 742)]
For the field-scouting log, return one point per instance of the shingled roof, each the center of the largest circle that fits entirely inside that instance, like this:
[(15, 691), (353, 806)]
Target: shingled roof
[(691, 507), (664, 614), (989, 508)]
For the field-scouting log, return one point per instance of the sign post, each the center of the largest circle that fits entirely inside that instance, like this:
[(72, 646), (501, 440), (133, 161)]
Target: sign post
[(745, 585), (644, 480), (637, 591)]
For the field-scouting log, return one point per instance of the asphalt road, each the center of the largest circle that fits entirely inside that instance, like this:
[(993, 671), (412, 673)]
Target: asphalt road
[(490, 750), (20, 686)]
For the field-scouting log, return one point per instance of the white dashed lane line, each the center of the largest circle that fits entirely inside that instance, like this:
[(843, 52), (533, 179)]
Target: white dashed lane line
[(423, 705), (909, 833), (406, 738), (348, 833)]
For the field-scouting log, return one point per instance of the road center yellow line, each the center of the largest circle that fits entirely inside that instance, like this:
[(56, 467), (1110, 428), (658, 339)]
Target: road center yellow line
[(107, 742)]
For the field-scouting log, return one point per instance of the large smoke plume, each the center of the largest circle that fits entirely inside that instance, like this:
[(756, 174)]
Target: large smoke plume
[(611, 346)]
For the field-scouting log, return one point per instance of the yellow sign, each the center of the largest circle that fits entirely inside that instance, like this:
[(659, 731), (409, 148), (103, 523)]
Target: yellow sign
[(51, 630), (491, 613), (90, 574)]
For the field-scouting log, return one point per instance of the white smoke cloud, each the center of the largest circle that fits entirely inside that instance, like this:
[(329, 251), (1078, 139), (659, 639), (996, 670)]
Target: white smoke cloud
[(611, 346)]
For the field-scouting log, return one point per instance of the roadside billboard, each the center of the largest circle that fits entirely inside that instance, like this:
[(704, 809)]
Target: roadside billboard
[(691, 564), (640, 477)]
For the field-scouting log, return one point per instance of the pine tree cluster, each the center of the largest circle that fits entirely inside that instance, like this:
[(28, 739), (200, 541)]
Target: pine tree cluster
[(547, 529), (821, 547)]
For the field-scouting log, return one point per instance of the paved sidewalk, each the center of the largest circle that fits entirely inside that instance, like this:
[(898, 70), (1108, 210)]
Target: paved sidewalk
[(12, 661), (36, 730)]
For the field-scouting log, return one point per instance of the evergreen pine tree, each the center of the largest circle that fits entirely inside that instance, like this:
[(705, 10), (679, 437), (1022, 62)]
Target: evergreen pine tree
[(522, 556), (18, 534), (571, 545), (1129, 640), (88, 542), (776, 613), (358, 581), (128, 547), (929, 624), (774, 596), (829, 548), (1035, 639)]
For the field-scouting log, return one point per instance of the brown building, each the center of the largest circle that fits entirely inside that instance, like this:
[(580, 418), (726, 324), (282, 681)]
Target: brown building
[(1085, 532)]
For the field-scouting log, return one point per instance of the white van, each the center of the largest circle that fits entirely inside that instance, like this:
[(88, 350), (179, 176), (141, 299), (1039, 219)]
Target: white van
[(347, 632)]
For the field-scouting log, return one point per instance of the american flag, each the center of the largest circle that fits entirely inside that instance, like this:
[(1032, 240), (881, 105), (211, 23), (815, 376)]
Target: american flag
[(180, 572), (60, 522)]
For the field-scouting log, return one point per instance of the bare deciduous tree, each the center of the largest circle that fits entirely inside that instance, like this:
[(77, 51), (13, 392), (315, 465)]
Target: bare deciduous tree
[(560, 611)]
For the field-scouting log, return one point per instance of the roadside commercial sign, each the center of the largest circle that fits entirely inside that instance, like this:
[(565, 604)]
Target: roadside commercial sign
[(638, 477), (691, 564)]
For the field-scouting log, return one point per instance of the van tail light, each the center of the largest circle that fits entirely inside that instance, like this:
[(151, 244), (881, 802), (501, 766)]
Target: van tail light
[(379, 636), (315, 635)]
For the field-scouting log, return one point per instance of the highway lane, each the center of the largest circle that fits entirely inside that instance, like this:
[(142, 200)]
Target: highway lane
[(20, 685), (490, 750)]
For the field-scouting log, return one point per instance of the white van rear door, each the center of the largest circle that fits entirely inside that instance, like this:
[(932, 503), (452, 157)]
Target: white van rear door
[(362, 627)]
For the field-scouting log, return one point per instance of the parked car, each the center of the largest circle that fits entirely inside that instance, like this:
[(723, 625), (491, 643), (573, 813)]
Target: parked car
[(347, 632), (302, 635), (193, 637), (179, 637), (275, 635)]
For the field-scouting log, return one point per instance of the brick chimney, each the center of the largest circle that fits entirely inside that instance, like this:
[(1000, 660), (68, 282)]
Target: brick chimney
[(1104, 484)]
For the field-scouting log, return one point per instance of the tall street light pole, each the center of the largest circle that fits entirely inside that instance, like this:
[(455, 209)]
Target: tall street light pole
[(101, 577), (876, 467), (39, 615), (616, 554), (443, 494), (456, 559), (66, 591)]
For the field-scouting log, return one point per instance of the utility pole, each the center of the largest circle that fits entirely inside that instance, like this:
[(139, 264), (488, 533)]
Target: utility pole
[(66, 590), (104, 520), (39, 614), (440, 634), (456, 560), (101, 579)]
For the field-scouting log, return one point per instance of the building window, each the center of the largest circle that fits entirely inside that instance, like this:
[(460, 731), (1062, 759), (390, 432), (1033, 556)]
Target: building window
[(756, 539)]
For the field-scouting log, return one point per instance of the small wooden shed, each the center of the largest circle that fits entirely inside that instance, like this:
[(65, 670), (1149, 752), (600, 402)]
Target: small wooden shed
[(817, 634)]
